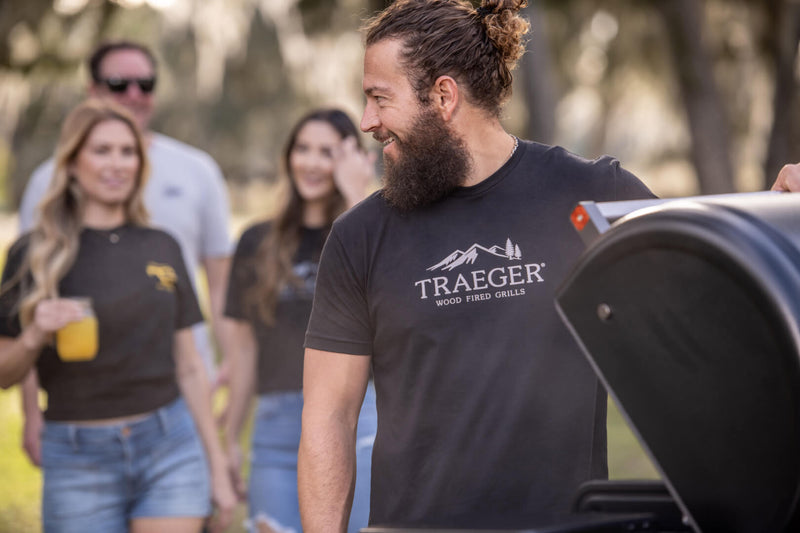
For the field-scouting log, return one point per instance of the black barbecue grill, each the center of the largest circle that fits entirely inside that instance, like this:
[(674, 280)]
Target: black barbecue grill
[(689, 312)]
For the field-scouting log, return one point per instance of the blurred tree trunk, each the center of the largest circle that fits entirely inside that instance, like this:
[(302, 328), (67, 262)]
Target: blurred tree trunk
[(782, 42), (41, 104), (12, 76), (537, 77), (13, 13), (711, 146)]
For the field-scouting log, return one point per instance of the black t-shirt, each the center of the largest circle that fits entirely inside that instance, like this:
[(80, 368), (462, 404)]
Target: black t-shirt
[(488, 414), (280, 346), (141, 294)]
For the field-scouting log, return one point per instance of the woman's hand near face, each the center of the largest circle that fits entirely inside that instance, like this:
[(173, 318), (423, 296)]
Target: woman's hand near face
[(353, 171)]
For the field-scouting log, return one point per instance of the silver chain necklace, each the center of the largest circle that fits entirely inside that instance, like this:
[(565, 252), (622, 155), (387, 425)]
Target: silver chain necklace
[(513, 150)]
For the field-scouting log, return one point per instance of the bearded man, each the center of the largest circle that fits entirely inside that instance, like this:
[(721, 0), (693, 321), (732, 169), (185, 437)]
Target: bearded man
[(442, 285)]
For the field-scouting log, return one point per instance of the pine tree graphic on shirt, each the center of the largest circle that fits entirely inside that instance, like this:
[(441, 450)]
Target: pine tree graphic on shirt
[(458, 258)]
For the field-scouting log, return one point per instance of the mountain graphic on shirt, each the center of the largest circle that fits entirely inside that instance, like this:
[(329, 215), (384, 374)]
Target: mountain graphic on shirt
[(458, 258)]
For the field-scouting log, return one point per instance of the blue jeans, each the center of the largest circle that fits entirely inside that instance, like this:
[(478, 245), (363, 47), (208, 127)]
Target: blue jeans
[(272, 494), (98, 478)]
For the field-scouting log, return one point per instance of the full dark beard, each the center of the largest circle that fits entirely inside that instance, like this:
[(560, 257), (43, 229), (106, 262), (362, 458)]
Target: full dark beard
[(432, 162)]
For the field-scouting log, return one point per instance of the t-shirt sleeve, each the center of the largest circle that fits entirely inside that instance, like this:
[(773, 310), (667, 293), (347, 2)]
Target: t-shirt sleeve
[(626, 185), (10, 292), (216, 240), (34, 192), (187, 309), (242, 276), (340, 315)]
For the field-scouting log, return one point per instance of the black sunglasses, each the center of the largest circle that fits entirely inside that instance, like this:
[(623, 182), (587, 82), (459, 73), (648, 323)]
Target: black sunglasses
[(120, 85)]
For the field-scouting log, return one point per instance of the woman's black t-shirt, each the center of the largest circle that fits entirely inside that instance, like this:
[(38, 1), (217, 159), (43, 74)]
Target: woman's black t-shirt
[(280, 346), (141, 294)]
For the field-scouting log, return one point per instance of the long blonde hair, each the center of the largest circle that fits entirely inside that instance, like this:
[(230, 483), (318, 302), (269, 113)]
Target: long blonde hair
[(55, 237)]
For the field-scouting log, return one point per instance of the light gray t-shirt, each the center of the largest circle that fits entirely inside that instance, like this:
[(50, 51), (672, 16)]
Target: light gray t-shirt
[(185, 195)]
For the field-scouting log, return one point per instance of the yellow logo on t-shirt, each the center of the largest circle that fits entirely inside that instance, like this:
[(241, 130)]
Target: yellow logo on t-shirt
[(164, 273)]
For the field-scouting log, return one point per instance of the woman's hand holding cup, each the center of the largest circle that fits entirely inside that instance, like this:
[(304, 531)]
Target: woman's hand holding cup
[(71, 319)]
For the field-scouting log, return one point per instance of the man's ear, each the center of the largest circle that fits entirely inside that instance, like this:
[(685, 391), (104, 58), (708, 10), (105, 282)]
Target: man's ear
[(445, 96)]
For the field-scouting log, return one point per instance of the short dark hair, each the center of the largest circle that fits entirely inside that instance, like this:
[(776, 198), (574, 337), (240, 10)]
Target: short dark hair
[(477, 47), (96, 59)]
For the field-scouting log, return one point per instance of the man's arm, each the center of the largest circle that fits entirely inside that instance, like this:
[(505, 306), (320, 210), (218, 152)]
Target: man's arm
[(242, 361), (215, 252), (333, 390), (217, 269)]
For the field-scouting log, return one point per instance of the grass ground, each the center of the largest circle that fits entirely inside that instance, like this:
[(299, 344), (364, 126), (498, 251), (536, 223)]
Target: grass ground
[(21, 486)]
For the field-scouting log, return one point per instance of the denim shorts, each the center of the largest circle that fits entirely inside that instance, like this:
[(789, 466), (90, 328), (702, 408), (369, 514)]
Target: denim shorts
[(99, 478), (272, 493)]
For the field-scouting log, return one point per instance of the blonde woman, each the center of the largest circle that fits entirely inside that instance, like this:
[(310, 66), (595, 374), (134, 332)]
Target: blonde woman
[(129, 442)]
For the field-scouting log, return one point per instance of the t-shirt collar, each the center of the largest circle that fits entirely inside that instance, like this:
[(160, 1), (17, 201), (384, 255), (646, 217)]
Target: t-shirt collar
[(496, 177)]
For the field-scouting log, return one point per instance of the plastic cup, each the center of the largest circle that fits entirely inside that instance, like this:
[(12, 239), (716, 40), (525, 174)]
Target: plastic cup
[(77, 341)]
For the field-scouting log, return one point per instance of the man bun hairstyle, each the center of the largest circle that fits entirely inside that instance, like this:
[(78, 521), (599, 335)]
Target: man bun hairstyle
[(505, 27), (479, 47)]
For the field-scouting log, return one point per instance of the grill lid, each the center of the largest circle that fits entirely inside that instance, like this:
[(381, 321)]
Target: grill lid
[(689, 312)]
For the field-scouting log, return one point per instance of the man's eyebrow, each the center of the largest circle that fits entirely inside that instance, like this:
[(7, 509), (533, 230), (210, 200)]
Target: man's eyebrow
[(369, 91)]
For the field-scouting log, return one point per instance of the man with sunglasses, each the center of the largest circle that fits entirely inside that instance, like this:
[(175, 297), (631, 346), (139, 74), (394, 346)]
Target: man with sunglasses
[(185, 195)]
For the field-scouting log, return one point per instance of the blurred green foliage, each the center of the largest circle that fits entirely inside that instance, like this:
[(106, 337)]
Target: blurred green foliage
[(663, 92)]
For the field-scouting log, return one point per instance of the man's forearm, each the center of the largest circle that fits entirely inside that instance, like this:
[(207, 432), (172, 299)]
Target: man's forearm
[(326, 473), (217, 269), (333, 391), (242, 361)]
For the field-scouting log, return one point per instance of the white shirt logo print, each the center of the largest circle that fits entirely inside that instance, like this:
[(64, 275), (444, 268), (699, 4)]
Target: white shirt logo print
[(480, 284), (458, 258)]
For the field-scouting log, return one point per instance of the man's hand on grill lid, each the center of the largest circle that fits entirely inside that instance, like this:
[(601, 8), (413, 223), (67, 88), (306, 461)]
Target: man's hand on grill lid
[(788, 179)]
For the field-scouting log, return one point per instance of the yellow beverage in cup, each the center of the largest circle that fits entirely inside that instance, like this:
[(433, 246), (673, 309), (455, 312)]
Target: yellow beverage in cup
[(77, 341)]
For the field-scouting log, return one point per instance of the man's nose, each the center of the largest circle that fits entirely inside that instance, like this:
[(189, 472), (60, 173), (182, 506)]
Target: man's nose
[(369, 120), (133, 90)]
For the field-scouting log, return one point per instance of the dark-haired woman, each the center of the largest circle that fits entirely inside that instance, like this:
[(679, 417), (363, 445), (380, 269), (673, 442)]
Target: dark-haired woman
[(129, 442), (270, 295)]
